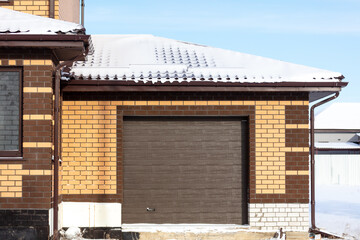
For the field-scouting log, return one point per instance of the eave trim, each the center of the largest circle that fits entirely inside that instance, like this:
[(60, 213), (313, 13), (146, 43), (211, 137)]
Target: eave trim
[(111, 86)]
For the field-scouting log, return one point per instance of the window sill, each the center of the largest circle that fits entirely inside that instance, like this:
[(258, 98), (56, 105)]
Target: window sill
[(11, 159)]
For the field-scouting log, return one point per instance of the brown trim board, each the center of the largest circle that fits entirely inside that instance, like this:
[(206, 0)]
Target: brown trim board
[(194, 86)]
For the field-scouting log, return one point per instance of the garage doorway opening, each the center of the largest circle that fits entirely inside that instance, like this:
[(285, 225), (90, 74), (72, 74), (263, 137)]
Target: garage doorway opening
[(185, 170)]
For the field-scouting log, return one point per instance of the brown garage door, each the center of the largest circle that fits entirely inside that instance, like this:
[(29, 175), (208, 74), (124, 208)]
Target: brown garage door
[(188, 170)]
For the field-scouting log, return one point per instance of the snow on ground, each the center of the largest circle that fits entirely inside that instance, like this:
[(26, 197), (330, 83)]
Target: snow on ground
[(338, 209)]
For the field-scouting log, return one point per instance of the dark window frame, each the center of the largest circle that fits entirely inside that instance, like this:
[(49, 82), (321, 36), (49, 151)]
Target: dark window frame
[(7, 3), (19, 152)]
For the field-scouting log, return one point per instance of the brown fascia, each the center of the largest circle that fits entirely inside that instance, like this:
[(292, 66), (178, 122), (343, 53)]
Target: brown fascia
[(202, 86), (66, 46)]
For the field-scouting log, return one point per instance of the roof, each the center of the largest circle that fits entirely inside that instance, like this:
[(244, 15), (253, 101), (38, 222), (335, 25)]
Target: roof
[(337, 145), (151, 59), (339, 116), (14, 22)]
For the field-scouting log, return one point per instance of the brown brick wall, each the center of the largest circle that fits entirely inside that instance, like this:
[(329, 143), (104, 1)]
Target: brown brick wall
[(27, 183), (268, 185)]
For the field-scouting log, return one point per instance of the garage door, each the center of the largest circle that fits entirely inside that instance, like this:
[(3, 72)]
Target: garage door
[(184, 170)]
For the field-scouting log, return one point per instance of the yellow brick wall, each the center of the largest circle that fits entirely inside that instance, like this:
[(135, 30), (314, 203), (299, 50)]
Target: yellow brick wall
[(88, 148), (89, 143), (35, 7), (11, 179), (271, 146)]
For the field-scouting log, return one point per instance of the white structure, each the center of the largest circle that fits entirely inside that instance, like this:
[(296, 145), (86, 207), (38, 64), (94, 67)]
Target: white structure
[(337, 136)]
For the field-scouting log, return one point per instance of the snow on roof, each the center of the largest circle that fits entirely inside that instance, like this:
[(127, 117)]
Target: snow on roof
[(149, 58), (23, 23), (337, 145), (339, 116)]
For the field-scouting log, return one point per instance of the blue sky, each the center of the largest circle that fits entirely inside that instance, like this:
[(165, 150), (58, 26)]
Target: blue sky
[(317, 33)]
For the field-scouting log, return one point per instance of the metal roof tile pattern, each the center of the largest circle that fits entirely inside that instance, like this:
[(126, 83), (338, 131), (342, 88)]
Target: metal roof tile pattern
[(13, 22), (147, 58)]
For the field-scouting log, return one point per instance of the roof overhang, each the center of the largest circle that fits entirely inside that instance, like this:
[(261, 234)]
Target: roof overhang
[(316, 90), (66, 47)]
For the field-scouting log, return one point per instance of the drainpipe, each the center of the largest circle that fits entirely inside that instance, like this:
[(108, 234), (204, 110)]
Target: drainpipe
[(312, 155), (57, 123), (51, 8), (82, 12)]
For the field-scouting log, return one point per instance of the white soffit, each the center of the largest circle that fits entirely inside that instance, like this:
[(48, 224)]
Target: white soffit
[(148, 58)]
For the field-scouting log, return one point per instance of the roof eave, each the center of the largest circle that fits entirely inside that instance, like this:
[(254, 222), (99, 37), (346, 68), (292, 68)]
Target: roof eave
[(182, 82), (355, 150), (65, 46), (195, 86), (44, 37)]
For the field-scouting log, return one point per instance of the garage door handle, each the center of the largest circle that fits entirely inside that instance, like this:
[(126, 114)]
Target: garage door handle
[(150, 209)]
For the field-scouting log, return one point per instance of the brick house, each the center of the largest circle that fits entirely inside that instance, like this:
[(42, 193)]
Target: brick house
[(153, 130)]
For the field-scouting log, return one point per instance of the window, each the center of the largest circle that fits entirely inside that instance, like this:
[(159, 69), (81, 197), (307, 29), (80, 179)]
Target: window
[(10, 112)]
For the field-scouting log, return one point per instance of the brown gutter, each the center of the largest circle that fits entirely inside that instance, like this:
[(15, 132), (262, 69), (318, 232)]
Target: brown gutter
[(42, 44), (199, 82), (52, 8), (205, 86), (355, 150), (312, 155), (84, 88), (337, 130), (57, 138), (44, 41), (42, 37)]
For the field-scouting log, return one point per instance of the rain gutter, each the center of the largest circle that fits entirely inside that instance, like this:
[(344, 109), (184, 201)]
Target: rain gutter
[(128, 85), (336, 149), (44, 37), (312, 155)]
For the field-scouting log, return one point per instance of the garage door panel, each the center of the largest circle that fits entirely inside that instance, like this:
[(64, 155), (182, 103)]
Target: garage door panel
[(189, 170)]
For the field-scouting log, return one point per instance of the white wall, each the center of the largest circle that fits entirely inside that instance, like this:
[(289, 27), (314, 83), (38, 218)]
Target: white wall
[(338, 169), (85, 214)]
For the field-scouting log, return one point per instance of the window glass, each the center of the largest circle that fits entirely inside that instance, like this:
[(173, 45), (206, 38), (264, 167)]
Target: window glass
[(9, 110)]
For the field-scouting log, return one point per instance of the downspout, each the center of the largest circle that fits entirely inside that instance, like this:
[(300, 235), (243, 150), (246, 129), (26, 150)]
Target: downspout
[(57, 123), (312, 155), (51, 8), (82, 12)]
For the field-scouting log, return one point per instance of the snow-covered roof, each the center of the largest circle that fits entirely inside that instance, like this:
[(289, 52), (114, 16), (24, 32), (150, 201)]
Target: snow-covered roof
[(339, 116), (148, 58), (336, 145), (23, 23)]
